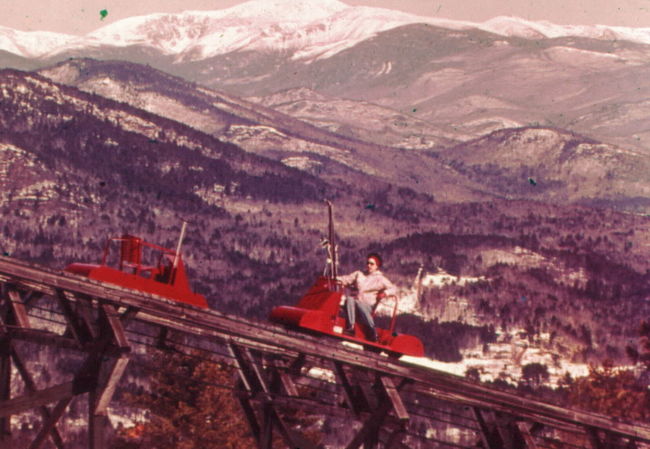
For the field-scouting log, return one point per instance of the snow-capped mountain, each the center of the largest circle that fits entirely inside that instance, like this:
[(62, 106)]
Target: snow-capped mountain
[(310, 29), (33, 44)]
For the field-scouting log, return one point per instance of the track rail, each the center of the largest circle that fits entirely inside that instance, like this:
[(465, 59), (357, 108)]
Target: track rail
[(98, 316)]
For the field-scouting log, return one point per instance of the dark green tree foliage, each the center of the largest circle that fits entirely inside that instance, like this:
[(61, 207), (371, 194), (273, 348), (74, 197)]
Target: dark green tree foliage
[(534, 373), (190, 405), (443, 341), (613, 392)]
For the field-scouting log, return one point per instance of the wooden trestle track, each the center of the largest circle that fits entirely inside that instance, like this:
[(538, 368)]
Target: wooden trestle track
[(380, 402)]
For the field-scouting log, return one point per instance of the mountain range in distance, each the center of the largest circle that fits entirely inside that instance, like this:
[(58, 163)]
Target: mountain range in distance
[(434, 82), (567, 167), (312, 29)]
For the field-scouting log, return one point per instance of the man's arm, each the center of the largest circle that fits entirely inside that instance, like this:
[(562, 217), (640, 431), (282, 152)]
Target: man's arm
[(348, 279), (388, 288)]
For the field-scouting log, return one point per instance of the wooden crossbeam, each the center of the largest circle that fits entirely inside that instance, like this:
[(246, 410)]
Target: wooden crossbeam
[(254, 378), (50, 422), (42, 337), (45, 396), (30, 386)]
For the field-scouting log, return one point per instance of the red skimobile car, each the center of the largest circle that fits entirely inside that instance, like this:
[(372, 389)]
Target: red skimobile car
[(165, 277), (320, 311)]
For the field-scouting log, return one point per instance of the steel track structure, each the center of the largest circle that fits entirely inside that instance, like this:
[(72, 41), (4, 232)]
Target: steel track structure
[(378, 401)]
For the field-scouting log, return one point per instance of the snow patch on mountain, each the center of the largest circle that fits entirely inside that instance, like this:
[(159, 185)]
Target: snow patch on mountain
[(516, 26), (31, 44), (310, 29)]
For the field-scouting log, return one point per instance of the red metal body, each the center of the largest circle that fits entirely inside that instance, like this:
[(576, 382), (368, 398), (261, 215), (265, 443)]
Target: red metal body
[(165, 277), (320, 310)]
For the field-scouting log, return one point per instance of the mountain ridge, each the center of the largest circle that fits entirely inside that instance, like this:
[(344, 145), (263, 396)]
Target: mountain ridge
[(310, 28)]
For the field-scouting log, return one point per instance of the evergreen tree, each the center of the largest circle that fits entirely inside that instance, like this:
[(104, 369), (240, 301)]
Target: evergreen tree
[(191, 405), (612, 392)]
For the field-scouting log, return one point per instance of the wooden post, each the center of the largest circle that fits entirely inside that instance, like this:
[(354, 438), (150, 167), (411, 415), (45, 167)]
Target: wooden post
[(5, 388), (253, 376), (30, 386), (489, 439), (48, 424), (108, 376), (5, 366), (98, 423), (526, 435)]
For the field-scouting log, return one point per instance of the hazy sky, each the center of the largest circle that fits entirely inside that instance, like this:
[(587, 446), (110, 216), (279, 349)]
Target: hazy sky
[(82, 16)]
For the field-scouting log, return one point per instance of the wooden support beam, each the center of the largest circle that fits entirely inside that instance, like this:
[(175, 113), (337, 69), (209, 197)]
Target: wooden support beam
[(367, 435), (235, 353), (107, 388), (128, 315), (266, 438), (395, 438), (506, 429), (526, 435), (77, 327), (84, 311), (98, 423), (297, 364), (245, 393), (30, 386), (5, 387), (255, 374), (244, 398), (43, 397), (108, 375), (255, 378), (393, 396), (594, 438), (114, 327), (489, 439), (42, 337), (30, 296), (18, 309), (348, 391), (287, 384), (48, 424)]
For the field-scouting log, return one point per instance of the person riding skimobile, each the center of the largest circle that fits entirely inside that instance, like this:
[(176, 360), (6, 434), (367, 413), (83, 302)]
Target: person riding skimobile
[(367, 288)]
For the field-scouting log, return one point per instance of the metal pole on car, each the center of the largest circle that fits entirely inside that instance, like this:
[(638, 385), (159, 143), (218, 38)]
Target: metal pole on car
[(180, 242)]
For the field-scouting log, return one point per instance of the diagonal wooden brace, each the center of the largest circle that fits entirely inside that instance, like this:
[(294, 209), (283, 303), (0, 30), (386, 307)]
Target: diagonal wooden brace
[(252, 376), (393, 396), (78, 325), (526, 435), (30, 386), (18, 309)]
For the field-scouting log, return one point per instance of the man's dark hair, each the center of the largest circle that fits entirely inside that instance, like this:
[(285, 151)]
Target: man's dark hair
[(377, 257)]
